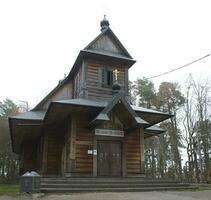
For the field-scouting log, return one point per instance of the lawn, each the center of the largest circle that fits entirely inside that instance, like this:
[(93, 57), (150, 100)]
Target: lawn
[(9, 190)]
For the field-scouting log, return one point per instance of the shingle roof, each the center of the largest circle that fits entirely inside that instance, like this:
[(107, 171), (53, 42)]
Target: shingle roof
[(31, 115), (141, 109), (83, 102), (40, 114), (155, 128)]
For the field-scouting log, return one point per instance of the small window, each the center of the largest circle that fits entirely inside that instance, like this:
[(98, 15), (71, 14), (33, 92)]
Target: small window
[(107, 77)]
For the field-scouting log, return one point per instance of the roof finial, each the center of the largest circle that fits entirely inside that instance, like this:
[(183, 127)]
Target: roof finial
[(104, 23)]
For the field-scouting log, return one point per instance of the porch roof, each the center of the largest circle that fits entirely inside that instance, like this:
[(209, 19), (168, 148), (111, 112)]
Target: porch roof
[(41, 114), (153, 131), (32, 122), (31, 115)]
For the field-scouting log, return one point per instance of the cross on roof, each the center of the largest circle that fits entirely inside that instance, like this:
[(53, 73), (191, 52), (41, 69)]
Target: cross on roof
[(115, 74)]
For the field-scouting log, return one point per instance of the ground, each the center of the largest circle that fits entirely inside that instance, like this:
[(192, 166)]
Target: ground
[(176, 195), (8, 189)]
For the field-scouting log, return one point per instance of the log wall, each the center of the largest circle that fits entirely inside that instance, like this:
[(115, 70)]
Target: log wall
[(53, 151), (94, 85), (133, 154), (84, 142), (29, 156), (54, 143)]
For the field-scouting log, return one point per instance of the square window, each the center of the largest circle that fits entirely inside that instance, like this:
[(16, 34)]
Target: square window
[(107, 77)]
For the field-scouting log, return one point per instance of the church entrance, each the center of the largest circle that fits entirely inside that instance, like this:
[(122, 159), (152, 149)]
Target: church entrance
[(109, 158)]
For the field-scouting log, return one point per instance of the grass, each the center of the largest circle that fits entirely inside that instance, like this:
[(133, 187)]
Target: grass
[(9, 189)]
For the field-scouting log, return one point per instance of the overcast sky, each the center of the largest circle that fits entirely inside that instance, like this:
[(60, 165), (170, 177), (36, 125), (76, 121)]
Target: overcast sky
[(40, 39)]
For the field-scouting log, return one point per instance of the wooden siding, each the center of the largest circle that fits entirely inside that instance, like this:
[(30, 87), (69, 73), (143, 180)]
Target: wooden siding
[(84, 142), (29, 156), (94, 86), (54, 151), (107, 44), (65, 92), (133, 155), (39, 149), (77, 83)]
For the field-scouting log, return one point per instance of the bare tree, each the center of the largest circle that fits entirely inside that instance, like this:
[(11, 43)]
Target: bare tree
[(197, 128)]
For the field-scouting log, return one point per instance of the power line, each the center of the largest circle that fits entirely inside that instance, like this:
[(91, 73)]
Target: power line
[(164, 73)]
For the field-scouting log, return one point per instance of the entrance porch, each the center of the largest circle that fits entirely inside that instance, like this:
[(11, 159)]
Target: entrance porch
[(78, 138)]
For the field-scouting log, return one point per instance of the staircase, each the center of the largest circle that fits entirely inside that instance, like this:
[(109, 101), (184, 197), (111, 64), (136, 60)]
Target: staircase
[(68, 185)]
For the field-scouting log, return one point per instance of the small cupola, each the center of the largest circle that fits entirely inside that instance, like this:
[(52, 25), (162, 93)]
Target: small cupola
[(116, 87), (104, 23)]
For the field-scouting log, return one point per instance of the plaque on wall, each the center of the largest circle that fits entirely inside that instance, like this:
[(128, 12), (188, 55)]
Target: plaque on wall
[(107, 132)]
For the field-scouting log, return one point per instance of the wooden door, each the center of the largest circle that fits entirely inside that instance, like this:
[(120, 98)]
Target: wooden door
[(103, 159), (109, 159), (115, 159)]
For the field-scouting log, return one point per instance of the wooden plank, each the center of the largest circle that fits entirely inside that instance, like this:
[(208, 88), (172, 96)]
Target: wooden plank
[(73, 139), (124, 168), (88, 160), (133, 166), (126, 80), (84, 142), (45, 153), (133, 152), (99, 95), (94, 169), (93, 80), (133, 171), (135, 163), (54, 153), (142, 163)]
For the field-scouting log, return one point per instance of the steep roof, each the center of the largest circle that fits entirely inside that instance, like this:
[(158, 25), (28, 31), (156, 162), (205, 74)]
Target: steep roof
[(119, 99), (105, 46), (107, 42)]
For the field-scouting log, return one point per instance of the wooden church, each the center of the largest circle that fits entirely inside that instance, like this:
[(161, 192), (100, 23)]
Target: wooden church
[(86, 126)]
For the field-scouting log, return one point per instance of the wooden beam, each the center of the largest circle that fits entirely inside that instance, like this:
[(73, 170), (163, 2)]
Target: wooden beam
[(142, 164), (40, 124), (124, 167), (63, 160), (95, 158), (84, 79), (45, 153), (126, 81), (72, 144)]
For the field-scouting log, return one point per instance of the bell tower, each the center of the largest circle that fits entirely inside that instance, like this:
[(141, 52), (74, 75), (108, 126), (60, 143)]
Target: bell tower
[(104, 62)]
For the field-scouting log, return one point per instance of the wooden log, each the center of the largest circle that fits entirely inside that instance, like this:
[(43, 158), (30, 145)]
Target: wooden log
[(142, 163)]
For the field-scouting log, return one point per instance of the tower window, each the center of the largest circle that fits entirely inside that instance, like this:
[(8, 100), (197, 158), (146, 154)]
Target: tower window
[(107, 77)]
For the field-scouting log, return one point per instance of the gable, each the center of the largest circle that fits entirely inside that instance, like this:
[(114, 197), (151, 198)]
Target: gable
[(113, 124), (122, 110), (107, 42)]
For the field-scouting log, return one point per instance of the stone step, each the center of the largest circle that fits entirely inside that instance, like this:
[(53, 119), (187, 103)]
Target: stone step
[(106, 178), (58, 185), (93, 181), (119, 189), (110, 185)]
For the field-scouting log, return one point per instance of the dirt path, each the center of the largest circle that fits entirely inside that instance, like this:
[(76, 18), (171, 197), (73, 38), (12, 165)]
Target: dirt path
[(181, 195)]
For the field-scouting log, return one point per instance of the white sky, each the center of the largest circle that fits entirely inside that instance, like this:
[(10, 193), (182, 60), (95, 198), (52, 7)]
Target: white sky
[(40, 40)]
